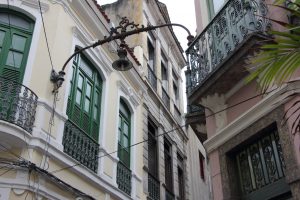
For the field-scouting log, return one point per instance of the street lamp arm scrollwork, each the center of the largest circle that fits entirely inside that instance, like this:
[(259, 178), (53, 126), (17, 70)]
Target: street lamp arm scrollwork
[(118, 33)]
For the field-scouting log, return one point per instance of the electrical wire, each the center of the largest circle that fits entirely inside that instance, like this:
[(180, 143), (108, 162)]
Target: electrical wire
[(45, 34), (167, 132)]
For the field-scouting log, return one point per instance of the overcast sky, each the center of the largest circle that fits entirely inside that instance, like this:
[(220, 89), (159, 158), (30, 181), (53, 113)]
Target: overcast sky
[(181, 12)]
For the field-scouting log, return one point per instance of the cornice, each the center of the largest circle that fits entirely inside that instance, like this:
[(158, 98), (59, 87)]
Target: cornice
[(270, 102)]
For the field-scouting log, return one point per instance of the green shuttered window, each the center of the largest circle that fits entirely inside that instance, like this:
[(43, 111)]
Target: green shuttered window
[(124, 134), (84, 97)]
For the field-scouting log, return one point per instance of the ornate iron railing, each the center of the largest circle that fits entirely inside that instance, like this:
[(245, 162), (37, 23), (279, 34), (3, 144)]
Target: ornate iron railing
[(124, 178), (153, 187), (17, 104), (80, 146), (152, 78), (223, 35), (165, 97), (261, 163)]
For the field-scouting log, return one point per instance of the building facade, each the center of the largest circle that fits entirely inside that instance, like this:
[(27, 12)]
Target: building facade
[(165, 169), (104, 134), (252, 148)]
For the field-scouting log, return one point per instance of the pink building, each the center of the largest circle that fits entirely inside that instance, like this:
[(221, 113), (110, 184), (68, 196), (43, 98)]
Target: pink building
[(252, 153)]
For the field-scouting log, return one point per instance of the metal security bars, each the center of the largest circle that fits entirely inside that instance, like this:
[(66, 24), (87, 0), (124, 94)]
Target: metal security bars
[(80, 146), (261, 164), (124, 178), (17, 104), (152, 78), (223, 35), (153, 187)]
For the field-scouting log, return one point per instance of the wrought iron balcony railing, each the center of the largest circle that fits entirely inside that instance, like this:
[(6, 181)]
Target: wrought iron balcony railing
[(17, 104), (124, 178), (152, 78), (165, 98), (237, 20), (153, 187), (80, 146)]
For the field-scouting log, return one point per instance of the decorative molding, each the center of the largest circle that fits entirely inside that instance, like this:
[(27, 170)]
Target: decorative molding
[(130, 93), (34, 4), (271, 101)]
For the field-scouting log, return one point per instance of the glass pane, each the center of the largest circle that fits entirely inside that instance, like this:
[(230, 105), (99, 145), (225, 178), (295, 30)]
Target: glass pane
[(126, 129), (14, 20), (87, 105), (14, 59), (85, 67), (2, 35), (78, 97), (80, 82), (95, 112), (18, 42), (88, 90), (125, 142)]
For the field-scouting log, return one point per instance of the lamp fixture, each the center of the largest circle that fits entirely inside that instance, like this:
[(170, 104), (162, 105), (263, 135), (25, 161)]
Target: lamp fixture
[(118, 33)]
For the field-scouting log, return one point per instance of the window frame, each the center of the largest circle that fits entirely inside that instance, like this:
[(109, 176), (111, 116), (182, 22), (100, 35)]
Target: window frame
[(92, 128), (124, 153)]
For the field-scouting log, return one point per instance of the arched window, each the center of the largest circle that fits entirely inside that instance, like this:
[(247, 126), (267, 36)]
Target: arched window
[(84, 100), (15, 37), (124, 134)]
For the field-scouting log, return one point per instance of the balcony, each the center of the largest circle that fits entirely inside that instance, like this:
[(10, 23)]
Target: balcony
[(152, 78), (124, 178), (17, 104), (80, 146), (166, 99), (235, 30), (153, 187)]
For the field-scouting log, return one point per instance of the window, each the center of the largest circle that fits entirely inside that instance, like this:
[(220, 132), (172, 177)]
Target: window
[(124, 134), (151, 52), (176, 94), (201, 166), (261, 168), (168, 165), (152, 149), (123, 167), (153, 183), (84, 100), (151, 62), (215, 6), (15, 37), (181, 185), (164, 72)]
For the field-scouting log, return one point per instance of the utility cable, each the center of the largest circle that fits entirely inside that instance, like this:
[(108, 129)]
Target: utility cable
[(167, 132), (45, 34)]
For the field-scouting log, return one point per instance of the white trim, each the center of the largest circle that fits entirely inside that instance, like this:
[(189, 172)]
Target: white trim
[(38, 140), (271, 101)]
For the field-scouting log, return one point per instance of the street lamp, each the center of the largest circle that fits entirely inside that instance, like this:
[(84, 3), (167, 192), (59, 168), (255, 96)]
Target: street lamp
[(120, 32)]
